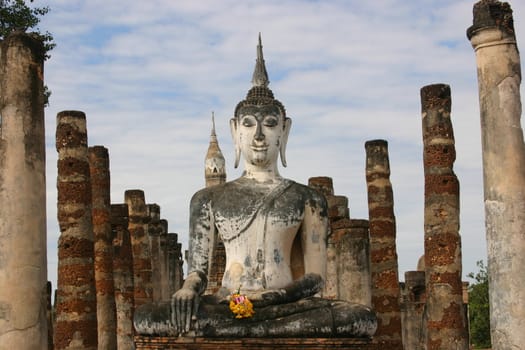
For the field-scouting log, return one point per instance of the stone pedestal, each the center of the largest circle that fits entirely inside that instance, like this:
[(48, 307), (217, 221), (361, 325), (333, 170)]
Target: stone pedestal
[(499, 77), (164, 343), (23, 258)]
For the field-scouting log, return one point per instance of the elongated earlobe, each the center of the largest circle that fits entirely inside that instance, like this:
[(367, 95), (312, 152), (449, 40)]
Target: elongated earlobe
[(284, 140), (236, 143)]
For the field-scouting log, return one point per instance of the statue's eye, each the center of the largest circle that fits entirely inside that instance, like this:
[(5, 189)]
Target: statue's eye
[(248, 122), (270, 121)]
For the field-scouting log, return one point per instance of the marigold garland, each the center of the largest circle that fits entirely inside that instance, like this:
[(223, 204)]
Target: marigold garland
[(241, 306)]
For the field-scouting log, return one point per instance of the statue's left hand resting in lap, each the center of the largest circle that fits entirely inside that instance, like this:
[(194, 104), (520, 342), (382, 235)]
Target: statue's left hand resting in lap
[(274, 232)]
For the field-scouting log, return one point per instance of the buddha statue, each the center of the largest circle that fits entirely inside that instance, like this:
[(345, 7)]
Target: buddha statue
[(274, 232)]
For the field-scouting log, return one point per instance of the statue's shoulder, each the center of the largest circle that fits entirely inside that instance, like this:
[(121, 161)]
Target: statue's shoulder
[(213, 193), (204, 195), (308, 194)]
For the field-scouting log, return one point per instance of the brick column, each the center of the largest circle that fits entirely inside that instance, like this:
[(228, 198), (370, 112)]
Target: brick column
[(175, 263), (499, 78), (179, 274), (446, 324), (414, 305), (323, 184), (137, 227), (154, 230), (23, 258), (101, 211), (352, 246), (337, 208), (122, 276), (163, 258), (171, 242), (385, 281), (76, 310)]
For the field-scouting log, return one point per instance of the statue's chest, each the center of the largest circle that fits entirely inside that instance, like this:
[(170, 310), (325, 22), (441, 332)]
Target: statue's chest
[(248, 212)]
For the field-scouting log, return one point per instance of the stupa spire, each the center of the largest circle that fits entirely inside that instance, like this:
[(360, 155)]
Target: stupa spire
[(213, 135), (215, 165), (260, 76)]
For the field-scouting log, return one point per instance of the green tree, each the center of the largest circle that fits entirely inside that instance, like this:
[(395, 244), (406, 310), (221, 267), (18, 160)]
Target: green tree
[(479, 316), (17, 15)]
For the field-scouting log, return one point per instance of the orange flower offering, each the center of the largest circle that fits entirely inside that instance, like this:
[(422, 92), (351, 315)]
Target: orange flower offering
[(241, 306)]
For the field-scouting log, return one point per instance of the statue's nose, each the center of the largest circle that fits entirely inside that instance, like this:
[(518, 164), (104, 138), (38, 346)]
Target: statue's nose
[(259, 136)]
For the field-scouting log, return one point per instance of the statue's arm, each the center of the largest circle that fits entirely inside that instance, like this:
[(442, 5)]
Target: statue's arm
[(185, 302), (314, 233), (201, 232)]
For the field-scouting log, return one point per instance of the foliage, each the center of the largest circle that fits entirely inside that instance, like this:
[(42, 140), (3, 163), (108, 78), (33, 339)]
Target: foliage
[(17, 15), (479, 308)]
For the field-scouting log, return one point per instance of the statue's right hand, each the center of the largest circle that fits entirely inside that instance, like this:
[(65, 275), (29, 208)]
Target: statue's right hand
[(184, 306)]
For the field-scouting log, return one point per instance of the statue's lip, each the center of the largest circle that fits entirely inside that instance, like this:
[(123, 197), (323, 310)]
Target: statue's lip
[(259, 148)]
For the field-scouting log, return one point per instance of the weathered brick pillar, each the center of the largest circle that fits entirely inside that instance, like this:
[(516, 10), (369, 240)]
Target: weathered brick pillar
[(330, 283), (352, 246), (337, 208), (122, 276), (179, 273), (499, 77), (446, 324), (154, 230), (137, 227), (171, 242), (49, 314), (23, 259), (414, 305), (323, 184), (76, 309), (101, 211), (385, 281), (163, 258), (217, 267), (176, 277)]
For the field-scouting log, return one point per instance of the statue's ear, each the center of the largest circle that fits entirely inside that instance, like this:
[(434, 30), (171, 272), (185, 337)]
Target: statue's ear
[(236, 141), (284, 140)]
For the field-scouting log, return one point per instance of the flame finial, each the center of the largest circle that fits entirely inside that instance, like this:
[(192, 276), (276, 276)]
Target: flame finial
[(260, 76), (213, 124)]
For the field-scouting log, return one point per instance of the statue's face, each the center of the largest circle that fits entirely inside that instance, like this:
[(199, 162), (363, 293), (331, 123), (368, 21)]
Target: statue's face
[(260, 130)]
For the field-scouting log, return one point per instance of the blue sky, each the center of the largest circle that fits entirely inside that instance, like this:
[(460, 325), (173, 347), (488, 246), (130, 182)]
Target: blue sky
[(148, 75)]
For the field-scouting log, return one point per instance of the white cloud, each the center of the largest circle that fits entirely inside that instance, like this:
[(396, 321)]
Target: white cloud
[(148, 75)]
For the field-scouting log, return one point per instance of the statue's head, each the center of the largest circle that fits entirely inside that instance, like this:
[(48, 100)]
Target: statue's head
[(260, 127)]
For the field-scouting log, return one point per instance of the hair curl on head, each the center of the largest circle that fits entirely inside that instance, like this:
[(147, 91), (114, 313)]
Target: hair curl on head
[(259, 96)]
